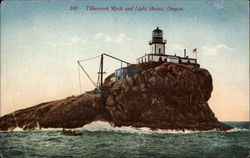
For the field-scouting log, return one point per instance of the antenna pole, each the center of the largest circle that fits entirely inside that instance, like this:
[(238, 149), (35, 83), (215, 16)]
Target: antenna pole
[(196, 56), (101, 70), (79, 77)]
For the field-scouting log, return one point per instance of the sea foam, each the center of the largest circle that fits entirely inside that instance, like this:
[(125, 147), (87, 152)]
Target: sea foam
[(105, 126)]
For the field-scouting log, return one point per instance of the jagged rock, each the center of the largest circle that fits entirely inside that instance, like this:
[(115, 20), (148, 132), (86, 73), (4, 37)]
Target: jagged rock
[(160, 96)]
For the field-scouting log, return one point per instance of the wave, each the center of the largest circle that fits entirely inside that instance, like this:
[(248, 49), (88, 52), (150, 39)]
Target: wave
[(17, 129), (105, 126), (238, 130)]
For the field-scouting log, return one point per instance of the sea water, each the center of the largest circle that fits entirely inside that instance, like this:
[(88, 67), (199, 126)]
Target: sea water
[(99, 139)]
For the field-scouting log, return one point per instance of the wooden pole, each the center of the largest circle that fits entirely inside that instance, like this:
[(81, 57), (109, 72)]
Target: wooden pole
[(101, 70), (196, 56)]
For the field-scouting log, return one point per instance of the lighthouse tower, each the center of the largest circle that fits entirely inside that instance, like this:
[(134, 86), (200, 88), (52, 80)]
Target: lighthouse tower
[(157, 44), (157, 48)]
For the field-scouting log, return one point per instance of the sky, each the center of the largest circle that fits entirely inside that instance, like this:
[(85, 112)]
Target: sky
[(41, 42)]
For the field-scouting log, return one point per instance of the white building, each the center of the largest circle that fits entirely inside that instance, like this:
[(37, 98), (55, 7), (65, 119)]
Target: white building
[(157, 48), (157, 51)]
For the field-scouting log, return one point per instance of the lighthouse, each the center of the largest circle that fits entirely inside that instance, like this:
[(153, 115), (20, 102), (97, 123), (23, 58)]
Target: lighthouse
[(157, 51), (157, 48), (157, 44)]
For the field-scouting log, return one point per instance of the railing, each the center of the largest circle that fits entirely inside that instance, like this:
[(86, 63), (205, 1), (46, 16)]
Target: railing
[(157, 41)]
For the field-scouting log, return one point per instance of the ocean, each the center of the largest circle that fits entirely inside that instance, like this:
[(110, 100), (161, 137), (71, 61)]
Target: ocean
[(99, 139)]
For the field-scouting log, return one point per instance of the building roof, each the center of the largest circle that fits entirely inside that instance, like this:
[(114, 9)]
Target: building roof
[(157, 30), (128, 67), (187, 58)]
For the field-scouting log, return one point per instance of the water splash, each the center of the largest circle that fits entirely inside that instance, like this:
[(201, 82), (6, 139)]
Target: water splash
[(105, 126)]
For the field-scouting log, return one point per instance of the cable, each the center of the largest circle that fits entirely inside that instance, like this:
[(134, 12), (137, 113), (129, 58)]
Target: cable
[(79, 74), (89, 59), (87, 74)]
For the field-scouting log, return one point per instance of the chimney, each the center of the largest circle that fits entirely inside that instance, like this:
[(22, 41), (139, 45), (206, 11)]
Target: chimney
[(184, 53)]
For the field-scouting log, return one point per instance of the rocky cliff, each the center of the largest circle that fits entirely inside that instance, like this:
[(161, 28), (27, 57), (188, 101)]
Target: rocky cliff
[(160, 96)]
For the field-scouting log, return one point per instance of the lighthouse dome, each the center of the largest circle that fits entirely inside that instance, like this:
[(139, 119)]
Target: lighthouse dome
[(157, 30), (157, 35)]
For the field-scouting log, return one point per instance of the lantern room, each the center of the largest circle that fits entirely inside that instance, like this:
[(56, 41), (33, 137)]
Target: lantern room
[(157, 35)]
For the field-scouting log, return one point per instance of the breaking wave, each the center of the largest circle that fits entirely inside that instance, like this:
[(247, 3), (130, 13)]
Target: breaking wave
[(105, 126)]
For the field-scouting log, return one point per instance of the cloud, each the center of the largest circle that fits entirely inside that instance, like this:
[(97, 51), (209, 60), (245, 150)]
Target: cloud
[(72, 41), (77, 39), (103, 36), (216, 49), (178, 47), (121, 37), (52, 44)]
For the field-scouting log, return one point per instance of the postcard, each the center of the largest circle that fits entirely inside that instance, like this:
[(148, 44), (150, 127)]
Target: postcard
[(136, 78)]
